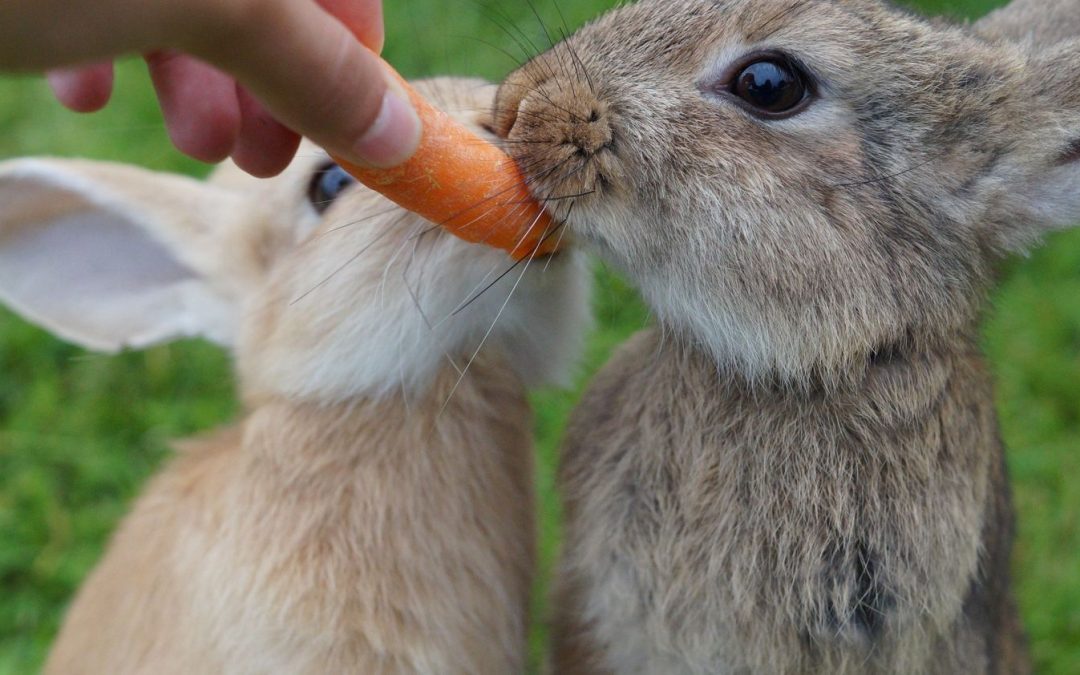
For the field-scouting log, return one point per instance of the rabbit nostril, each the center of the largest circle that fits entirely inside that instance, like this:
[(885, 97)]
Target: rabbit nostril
[(589, 135)]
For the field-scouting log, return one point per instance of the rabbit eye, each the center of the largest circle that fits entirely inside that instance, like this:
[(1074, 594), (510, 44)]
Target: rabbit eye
[(771, 86), (327, 185)]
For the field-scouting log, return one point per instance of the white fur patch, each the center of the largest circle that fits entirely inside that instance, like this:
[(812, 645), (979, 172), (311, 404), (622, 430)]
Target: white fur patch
[(377, 308)]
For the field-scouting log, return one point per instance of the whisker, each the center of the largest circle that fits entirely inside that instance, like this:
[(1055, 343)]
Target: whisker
[(394, 223), (413, 294), (551, 44), (465, 304), (886, 177), (586, 193), (476, 289), (393, 259), (490, 329), (508, 141), (529, 113), (505, 52), (562, 231), (510, 269), (540, 20), (577, 60), (354, 223), (565, 33), (532, 89), (494, 15)]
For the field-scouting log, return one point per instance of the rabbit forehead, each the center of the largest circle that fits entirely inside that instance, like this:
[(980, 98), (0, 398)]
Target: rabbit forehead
[(677, 29)]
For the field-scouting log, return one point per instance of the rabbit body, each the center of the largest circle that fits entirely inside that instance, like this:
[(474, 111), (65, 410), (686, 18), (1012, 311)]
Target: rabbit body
[(344, 538), (715, 526), (799, 469), (372, 512)]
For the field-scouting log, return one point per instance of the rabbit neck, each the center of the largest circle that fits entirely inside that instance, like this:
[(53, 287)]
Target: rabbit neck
[(454, 414)]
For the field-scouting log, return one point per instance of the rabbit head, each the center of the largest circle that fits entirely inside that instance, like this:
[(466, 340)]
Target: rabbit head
[(322, 288), (800, 185)]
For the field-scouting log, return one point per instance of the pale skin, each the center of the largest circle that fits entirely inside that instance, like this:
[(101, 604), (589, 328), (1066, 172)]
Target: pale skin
[(235, 78)]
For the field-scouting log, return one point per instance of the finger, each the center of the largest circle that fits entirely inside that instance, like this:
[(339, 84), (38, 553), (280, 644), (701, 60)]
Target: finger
[(313, 75), (363, 17), (265, 146), (38, 35), (199, 104), (84, 89)]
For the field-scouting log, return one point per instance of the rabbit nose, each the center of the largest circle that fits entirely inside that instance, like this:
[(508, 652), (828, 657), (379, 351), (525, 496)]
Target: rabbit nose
[(590, 131), (562, 113)]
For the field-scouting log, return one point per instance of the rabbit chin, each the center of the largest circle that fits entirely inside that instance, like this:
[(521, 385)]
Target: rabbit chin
[(754, 338), (393, 329), (759, 343)]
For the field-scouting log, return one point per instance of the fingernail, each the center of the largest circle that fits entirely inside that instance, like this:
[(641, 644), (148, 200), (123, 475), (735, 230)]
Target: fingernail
[(394, 136)]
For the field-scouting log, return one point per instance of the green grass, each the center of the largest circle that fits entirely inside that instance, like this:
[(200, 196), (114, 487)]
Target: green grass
[(79, 433)]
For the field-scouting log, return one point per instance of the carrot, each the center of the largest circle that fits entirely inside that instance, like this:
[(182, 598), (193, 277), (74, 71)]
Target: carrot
[(465, 184)]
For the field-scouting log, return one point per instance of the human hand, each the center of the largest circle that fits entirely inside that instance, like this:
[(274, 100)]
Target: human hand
[(234, 78)]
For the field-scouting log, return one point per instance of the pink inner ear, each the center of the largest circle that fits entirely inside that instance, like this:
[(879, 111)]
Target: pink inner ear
[(1071, 153), (96, 279), (93, 272)]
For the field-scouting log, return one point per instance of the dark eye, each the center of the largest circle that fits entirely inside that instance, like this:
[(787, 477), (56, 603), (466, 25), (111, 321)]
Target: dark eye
[(771, 86), (327, 185)]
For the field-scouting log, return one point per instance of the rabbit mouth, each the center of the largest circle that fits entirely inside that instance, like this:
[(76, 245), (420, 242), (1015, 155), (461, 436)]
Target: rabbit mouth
[(557, 170)]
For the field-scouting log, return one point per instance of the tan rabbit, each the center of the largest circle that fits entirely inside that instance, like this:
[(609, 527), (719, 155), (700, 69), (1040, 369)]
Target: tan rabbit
[(799, 470), (349, 523)]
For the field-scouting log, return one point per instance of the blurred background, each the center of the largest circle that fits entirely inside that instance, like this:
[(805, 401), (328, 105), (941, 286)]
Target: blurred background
[(80, 433)]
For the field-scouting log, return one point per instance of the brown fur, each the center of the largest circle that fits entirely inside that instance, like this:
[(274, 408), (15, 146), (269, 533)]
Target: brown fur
[(1033, 20), (799, 470), (352, 537), (781, 531)]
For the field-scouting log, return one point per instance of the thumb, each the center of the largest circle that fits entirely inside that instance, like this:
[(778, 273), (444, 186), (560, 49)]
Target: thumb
[(313, 74)]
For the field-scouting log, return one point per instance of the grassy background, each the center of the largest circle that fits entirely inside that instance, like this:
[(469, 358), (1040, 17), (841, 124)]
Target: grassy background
[(80, 433)]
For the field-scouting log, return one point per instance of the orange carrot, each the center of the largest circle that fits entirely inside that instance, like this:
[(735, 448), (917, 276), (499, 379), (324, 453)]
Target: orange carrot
[(466, 185)]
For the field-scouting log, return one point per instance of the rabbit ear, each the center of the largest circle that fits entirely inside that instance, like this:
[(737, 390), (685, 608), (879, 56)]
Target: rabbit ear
[(1049, 140), (1038, 23), (1043, 192), (109, 256)]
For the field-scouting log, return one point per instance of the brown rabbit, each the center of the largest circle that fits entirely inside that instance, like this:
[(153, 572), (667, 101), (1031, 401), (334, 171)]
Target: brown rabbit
[(372, 511), (799, 470)]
